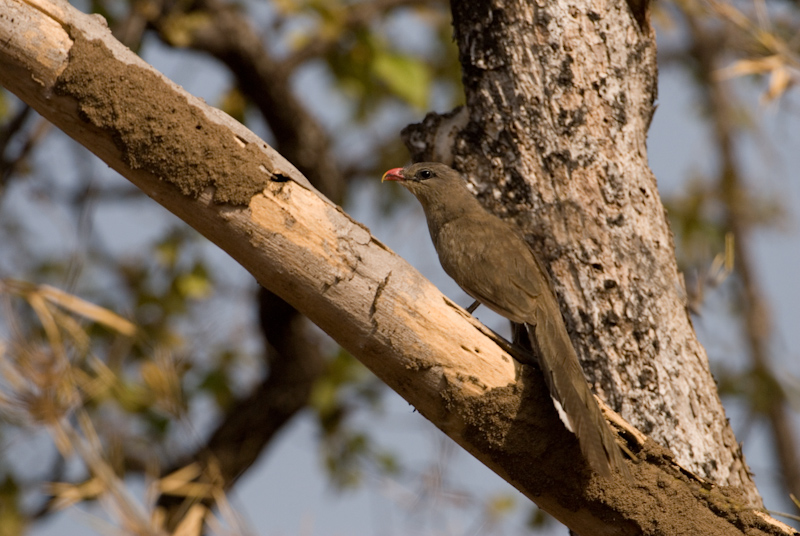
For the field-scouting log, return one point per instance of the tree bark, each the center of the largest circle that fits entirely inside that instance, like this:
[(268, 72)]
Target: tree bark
[(559, 98), (230, 186)]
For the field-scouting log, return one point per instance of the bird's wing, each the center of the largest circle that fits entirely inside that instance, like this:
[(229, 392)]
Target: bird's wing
[(494, 265)]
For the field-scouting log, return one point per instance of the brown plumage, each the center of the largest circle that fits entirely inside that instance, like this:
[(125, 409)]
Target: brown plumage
[(493, 263)]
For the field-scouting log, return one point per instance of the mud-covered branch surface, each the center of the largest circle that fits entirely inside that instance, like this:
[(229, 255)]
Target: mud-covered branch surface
[(238, 192)]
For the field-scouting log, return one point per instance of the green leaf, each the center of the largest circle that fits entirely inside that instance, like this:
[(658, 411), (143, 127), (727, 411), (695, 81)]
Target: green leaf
[(132, 397), (195, 284), (12, 520), (406, 76), (167, 251), (179, 30), (234, 103), (499, 506), (5, 109), (388, 463), (217, 384)]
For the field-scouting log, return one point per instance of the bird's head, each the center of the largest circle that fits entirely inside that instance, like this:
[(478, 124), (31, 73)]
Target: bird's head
[(431, 182)]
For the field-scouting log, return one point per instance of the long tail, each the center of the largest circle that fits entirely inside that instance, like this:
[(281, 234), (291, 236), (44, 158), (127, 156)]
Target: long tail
[(564, 377)]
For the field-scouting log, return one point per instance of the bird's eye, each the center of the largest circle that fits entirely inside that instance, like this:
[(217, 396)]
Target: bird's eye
[(425, 174)]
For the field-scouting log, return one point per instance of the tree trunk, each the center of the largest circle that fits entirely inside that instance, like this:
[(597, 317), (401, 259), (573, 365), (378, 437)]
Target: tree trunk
[(559, 98)]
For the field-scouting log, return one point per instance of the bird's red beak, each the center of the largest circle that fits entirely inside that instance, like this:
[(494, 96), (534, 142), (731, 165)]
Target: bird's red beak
[(395, 174)]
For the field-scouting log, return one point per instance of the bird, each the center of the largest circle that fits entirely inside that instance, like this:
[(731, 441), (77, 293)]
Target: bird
[(491, 261)]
